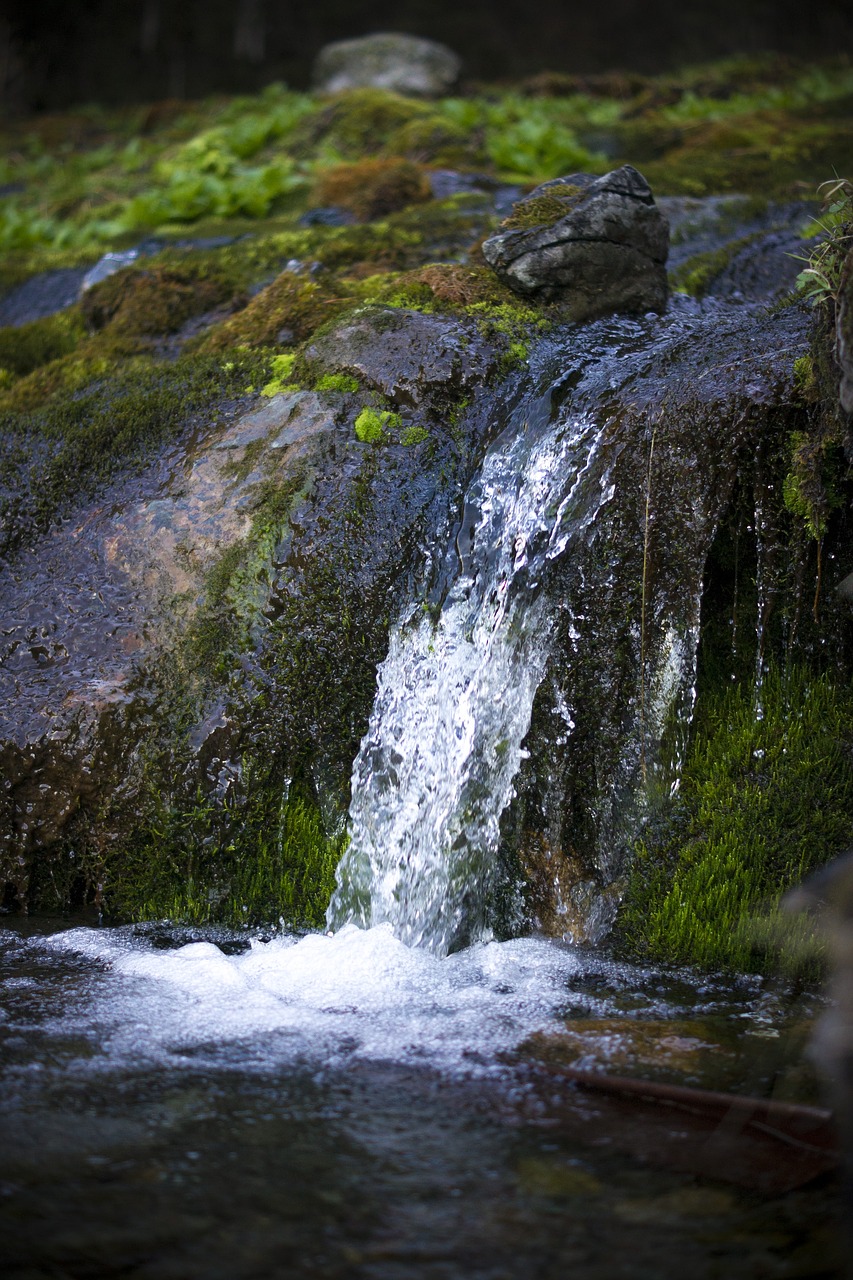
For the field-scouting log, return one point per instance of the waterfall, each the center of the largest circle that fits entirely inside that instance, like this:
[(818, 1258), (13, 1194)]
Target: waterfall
[(435, 770)]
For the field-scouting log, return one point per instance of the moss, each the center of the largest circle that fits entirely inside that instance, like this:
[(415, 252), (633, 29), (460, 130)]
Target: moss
[(262, 858), (765, 799), (153, 300), (544, 210), (282, 371), (338, 382), (373, 188), (433, 139), (413, 435), (31, 346), (284, 313), (361, 122), (812, 487), (86, 435), (372, 425)]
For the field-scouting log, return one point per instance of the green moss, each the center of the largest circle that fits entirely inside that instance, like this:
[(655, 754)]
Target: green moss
[(263, 857), (765, 798), (413, 435), (813, 486), (152, 300), (372, 425), (31, 346), (286, 312), (282, 371), (361, 122), (542, 211), (338, 382)]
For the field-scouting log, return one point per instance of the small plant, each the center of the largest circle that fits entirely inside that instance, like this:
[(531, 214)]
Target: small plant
[(820, 280)]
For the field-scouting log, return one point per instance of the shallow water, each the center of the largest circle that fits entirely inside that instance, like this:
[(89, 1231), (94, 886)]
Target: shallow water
[(347, 1106)]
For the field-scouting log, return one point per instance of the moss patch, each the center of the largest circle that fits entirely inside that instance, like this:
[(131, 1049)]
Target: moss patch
[(373, 188), (765, 798)]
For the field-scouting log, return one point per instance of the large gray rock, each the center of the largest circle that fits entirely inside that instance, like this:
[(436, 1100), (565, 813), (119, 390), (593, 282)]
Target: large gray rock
[(387, 60), (607, 252)]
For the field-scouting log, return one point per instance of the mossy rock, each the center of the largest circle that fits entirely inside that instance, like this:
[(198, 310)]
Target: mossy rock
[(373, 188), (151, 300)]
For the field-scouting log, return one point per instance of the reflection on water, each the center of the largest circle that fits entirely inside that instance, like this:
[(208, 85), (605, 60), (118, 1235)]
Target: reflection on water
[(344, 1107)]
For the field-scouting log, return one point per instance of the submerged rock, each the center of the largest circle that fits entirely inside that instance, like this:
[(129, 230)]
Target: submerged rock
[(387, 60), (596, 245)]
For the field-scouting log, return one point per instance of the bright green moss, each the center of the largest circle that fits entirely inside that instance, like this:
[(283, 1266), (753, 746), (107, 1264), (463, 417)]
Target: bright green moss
[(765, 798), (282, 371), (373, 425), (338, 382)]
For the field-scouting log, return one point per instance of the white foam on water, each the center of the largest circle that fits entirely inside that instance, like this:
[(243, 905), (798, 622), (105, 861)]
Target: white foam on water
[(359, 993)]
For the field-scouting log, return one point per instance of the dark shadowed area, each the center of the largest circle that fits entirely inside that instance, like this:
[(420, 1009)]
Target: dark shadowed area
[(54, 54)]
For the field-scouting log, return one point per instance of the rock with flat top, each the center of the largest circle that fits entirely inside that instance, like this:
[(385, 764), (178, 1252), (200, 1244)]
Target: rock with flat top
[(596, 245), (388, 60)]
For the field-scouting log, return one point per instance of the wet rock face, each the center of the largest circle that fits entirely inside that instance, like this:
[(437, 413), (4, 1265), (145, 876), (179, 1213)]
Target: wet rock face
[(399, 63), (405, 355), (844, 335), (606, 253)]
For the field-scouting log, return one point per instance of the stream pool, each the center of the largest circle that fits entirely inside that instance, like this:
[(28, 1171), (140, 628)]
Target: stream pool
[(190, 1104)]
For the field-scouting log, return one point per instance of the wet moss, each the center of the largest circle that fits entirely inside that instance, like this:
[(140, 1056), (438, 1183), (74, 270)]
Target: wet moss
[(31, 346), (373, 188), (697, 274), (263, 857), (543, 210), (286, 312), (152, 300)]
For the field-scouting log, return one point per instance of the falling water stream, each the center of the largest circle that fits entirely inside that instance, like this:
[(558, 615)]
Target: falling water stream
[(358, 1103)]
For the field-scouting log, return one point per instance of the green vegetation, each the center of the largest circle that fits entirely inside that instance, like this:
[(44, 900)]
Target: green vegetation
[(765, 798), (373, 425), (282, 370), (820, 279), (260, 858)]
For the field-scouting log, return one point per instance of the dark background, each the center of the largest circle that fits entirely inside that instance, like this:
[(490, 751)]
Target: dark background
[(54, 53)]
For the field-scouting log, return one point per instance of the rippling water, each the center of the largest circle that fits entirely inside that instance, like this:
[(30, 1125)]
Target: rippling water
[(348, 1106)]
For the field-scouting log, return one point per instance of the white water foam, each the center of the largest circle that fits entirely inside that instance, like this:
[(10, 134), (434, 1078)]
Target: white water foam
[(359, 994)]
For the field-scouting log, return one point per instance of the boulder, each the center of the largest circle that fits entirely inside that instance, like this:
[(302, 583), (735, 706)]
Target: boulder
[(388, 60), (596, 245)]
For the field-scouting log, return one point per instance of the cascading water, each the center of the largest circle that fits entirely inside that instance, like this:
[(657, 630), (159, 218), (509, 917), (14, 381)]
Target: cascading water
[(548, 574), (436, 767)]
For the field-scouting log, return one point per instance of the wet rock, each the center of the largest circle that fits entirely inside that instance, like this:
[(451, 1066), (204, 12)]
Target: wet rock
[(405, 355), (844, 335), (41, 296), (598, 245), (328, 216), (388, 60)]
